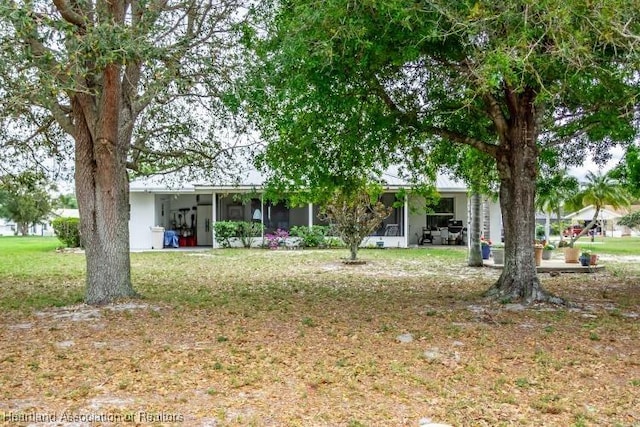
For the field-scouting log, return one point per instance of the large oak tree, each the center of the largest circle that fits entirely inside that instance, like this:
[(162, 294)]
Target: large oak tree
[(358, 84), (130, 81)]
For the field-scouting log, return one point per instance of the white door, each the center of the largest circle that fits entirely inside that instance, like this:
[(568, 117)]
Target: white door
[(204, 230)]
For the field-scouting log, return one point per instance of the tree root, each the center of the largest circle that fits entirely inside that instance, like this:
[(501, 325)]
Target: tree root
[(538, 295)]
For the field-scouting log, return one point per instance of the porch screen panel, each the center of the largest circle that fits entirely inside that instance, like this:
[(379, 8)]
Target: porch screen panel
[(442, 213)]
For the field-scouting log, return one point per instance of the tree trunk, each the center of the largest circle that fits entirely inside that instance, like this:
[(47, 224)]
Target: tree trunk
[(475, 249), (23, 228), (353, 249), (517, 166), (102, 191)]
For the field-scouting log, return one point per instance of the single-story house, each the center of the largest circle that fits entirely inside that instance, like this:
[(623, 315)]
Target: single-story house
[(607, 219), (190, 210), (8, 228)]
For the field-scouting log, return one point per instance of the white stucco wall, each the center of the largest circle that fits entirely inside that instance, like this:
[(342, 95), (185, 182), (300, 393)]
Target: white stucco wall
[(141, 220), (495, 222)]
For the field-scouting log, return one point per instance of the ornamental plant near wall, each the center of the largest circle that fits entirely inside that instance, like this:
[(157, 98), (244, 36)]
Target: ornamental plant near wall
[(277, 238), (225, 230)]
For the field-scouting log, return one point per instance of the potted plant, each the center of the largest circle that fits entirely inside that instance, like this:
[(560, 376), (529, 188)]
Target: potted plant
[(547, 250), (486, 248), (585, 258), (498, 253), (571, 254), (537, 251)]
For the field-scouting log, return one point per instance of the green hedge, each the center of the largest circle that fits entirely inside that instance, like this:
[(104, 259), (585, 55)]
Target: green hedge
[(313, 237), (68, 231)]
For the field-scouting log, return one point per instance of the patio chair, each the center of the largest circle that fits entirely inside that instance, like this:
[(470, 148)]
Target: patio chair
[(392, 230)]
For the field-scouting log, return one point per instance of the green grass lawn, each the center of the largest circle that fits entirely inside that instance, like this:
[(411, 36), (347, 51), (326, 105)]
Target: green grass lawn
[(611, 245), (35, 275), (241, 337)]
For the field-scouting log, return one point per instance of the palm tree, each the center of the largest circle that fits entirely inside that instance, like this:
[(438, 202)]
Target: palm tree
[(599, 191), (552, 192), (475, 254)]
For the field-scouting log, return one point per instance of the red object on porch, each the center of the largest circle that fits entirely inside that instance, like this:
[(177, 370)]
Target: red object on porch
[(182, 241), (191, 241)]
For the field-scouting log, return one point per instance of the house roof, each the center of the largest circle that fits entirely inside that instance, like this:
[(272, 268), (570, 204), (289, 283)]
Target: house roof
[(253, 179), (66, 213), (606, 213)]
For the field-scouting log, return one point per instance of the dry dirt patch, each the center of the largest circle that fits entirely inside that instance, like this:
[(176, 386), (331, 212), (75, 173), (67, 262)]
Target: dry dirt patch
[(325, 344)]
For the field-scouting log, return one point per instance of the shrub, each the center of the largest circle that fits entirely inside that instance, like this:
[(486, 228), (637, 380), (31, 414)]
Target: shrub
[(277, 238), (311, 237), (246, 231), (334, 242), (68, 231), (225, 230)]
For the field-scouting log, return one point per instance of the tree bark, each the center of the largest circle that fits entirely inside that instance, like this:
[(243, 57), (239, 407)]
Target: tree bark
[(517, 166), (475, 249), (102, 191), (353, 249)]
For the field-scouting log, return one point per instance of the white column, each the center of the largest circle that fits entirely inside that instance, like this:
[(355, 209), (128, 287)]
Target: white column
[(495, 219), (468, 224), (214, 218), (310, 214), (262, 214), (406, 221)]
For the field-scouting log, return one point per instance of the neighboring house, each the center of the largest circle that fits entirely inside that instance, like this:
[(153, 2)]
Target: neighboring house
[(191, 210), (8, 228), (607, 219)]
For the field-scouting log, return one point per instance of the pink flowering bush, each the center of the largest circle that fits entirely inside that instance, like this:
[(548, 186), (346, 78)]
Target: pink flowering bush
[(277, 238)]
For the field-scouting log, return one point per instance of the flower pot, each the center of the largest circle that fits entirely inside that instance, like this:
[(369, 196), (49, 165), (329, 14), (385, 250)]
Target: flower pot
[(498, 256), (585, 260), (537, 252), (571, 255), (594, 259), (486, 251), (546, 254)]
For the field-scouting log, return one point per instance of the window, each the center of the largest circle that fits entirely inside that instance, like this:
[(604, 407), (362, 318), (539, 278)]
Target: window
[(442, 213)]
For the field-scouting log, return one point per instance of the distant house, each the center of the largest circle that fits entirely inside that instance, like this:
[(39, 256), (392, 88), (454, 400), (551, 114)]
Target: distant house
[(191, 210), (607, 219), (8, 228)]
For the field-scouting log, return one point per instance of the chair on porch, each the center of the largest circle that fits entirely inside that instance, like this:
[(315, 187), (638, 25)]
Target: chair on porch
[(392, 230), (427, 236)]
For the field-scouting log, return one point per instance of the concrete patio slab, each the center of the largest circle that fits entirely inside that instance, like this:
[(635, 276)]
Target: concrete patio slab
[(554, 265)]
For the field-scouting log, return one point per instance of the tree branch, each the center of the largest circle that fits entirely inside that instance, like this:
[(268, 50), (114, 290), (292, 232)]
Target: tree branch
[(412, 120), (496, 113), (69, 14)]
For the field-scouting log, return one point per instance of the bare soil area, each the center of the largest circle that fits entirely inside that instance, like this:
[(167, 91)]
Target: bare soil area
[(277, 338)]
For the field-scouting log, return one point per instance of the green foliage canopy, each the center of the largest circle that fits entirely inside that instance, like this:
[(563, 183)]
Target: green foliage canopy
[(25, 199), (340, 87), (174, 59), (631, 220), (362, 84)]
